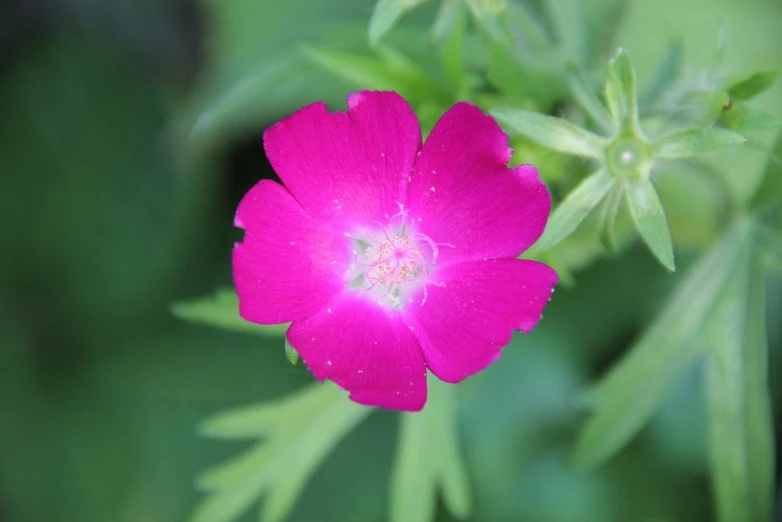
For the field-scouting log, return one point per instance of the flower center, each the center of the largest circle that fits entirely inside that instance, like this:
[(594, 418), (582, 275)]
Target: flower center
[(391, 262)]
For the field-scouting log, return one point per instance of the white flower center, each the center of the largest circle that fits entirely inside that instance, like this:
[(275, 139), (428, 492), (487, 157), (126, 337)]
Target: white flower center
[(390, 263)]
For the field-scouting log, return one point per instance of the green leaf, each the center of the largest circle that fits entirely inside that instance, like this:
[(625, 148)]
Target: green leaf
[(665, 75), (737, 389), (221, 310), (567, 20), (290, 353), (769, 245), (649, 218), (701, 107), (389, 71), (491, 16), (609, 209), (585, 95), (575, 207), (297, 432), (385, 15), (741, 118), (694, 141), (768, 195), (551, 132), (621, 95), (753, 85), (428, 458), (453, 51), (629, 395), (450, 11)]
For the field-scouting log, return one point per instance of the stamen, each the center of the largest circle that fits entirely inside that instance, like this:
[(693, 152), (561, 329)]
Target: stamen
[(394, 266)]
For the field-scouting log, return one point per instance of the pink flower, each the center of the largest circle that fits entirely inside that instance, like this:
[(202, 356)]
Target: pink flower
[(391, 257)]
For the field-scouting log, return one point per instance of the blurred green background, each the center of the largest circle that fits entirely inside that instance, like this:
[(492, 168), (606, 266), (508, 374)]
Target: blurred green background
[(128, 132)]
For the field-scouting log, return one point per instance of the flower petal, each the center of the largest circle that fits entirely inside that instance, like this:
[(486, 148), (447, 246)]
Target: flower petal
[(366, 350), (465, 196), (289, 265), (469, 315), (350, 168)]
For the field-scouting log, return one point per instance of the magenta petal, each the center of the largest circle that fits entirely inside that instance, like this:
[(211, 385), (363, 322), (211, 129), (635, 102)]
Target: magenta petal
[(347, 167), (469, 316), (364, 349), (289, 265), (465, 195)]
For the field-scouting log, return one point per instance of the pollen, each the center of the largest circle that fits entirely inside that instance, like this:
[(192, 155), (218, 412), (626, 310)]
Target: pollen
[(392, 261)]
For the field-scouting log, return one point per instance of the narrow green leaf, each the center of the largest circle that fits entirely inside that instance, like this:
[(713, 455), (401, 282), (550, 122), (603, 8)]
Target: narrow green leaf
[(753, 85), (389, 71), (665, 75), (572, 211), (740, 430), (758, 421), (385, 15), (567, 20), (443, 439), (298, 433), (428, 459), (694, 141), (413, 483), (741, 118), (649, 218), (254, 421), (628, 396), (621, 95), (609, 209), (551, 132), (450, 11), (491, 16), (700, 107), (768, 195), (586, 95), (769, 245), (453, 52), (221, 310), (290, 353)]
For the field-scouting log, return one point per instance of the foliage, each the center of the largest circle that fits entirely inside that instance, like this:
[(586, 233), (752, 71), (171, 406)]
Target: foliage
[(640, 388)]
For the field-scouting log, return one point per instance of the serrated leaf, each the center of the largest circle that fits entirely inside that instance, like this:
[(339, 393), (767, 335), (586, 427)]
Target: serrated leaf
[(255, 421), (427, 460), (649, 218), (297, 433), (221, 310), (385, 15), (621, 95), (665, 75), (551, 132), (753, 85), (587, 97), (625, 400), (694, 141), (575, 207), (740, 429)]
